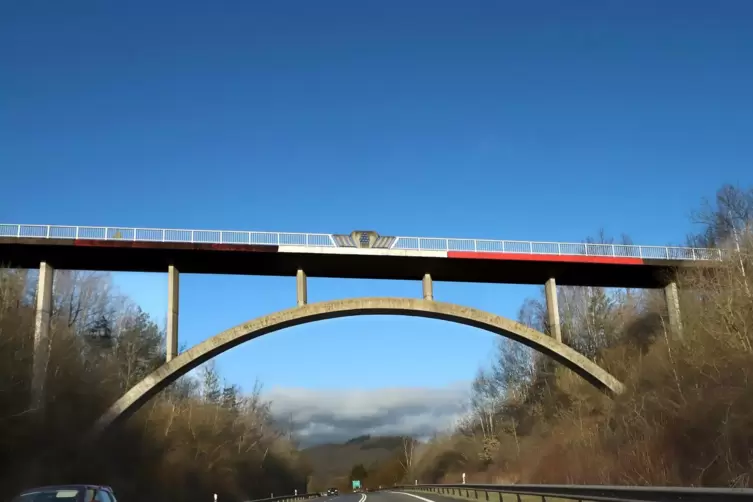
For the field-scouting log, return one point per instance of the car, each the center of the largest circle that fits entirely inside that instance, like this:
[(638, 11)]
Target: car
[(67, 493), (333, 491)]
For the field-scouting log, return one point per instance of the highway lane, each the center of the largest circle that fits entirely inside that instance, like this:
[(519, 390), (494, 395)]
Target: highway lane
[(346, 497), (403, 496)]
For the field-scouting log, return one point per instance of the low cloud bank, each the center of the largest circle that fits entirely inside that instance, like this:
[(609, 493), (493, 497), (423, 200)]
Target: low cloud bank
[(333, 416)]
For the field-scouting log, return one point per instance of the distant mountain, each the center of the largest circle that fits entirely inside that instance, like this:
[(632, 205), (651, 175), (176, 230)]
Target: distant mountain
[(333, 461)]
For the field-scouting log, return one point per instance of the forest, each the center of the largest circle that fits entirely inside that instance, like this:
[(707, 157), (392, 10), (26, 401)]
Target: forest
[(199, 437), (686, 418)]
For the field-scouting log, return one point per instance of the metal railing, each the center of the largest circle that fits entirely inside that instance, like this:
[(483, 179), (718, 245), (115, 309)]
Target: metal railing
[(327, 240), (557, 248), (166, 235), (596, 493)]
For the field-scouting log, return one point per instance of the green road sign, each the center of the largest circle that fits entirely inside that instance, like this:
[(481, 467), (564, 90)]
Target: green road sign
[(356, 484)]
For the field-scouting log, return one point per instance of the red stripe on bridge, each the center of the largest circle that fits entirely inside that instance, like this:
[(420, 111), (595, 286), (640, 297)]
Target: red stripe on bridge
[(607, 260)]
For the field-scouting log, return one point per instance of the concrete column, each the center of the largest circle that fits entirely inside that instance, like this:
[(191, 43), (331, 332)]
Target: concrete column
[(553, 309), (173, 299), (300, 288), (428, 287), (41, 334), (673, 309)]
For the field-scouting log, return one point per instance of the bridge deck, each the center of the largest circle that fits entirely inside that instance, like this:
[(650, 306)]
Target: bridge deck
[(328, 261)]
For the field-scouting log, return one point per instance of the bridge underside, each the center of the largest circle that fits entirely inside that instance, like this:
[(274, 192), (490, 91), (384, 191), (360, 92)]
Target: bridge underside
[(135, 256), (202, 352)]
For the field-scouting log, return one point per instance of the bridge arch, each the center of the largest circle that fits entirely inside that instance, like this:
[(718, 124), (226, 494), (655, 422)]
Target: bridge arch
[(163, 376)]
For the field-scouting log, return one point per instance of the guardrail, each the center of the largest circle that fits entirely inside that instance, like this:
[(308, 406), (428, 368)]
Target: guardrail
[(596, 493), (557, 248), (327, 240)]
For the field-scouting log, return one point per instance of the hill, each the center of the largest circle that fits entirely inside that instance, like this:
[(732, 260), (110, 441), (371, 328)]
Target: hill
[(332, 462)]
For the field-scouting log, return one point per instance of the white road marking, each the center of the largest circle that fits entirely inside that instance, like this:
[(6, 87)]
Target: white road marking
[(416, 496)]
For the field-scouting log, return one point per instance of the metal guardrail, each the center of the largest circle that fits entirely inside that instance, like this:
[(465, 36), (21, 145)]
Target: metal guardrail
[(327, 240), (584, 493)]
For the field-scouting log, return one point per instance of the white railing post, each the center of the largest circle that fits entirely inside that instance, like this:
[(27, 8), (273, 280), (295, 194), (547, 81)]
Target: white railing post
[(613, 254), (18, 233), (106, 232), (48, 231)]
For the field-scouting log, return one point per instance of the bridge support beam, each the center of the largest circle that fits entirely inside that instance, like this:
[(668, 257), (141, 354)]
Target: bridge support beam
[(301, 288), (673, 309), (173, 299), (553, 309), (41, 335), (428, 287)]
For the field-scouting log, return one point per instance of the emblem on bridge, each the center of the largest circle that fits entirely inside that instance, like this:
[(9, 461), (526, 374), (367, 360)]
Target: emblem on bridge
[(364, 239)]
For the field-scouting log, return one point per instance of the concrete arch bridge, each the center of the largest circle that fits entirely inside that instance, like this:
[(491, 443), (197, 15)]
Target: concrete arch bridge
[(178, 366)]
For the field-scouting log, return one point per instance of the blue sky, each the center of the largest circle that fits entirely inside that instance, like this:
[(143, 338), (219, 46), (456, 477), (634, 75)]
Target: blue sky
[(541, 120)]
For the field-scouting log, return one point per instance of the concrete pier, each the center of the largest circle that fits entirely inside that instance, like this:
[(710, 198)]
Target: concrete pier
[(673, 309), (301, 288), (173, 299), (553, 309), (428, 287), (41, 334)]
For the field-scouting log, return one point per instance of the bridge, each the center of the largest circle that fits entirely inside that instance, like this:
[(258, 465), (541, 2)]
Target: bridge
[(359, 254)]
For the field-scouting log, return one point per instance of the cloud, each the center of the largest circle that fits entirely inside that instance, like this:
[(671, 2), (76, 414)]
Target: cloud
[(324, 416)]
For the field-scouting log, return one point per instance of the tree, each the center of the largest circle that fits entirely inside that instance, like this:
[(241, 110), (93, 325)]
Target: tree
[(210, 383), (731, 213), (358, 472)]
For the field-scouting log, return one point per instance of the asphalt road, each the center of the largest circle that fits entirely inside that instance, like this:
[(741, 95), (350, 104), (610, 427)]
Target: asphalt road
[(388, 497), (400, 496)]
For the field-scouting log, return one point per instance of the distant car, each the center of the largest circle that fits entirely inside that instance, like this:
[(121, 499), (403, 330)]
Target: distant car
[(333, 491), (67, 493)]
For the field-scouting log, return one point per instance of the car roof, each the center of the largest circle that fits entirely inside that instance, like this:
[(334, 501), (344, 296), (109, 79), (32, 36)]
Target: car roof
[(65, 487)]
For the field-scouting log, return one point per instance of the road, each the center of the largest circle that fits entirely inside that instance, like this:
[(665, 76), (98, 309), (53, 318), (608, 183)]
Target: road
[(389, 496), (402, 496)]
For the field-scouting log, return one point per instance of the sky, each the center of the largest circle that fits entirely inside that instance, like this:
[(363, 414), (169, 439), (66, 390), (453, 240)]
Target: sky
[(540, 120)]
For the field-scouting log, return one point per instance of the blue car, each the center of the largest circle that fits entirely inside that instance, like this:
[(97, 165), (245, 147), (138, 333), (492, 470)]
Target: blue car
[(67, 493)]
